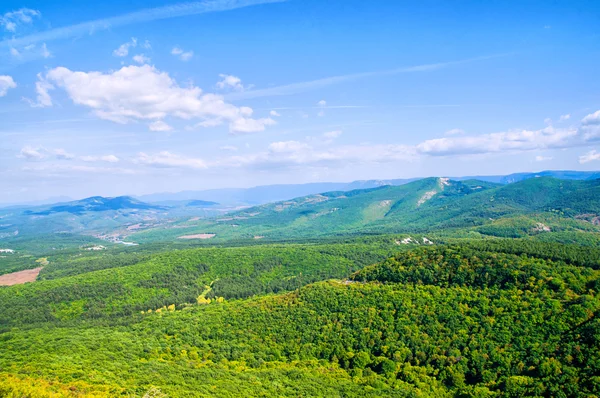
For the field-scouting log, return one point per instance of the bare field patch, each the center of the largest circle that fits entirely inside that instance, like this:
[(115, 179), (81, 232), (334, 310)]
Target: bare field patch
[(197, 236), (17, 278)]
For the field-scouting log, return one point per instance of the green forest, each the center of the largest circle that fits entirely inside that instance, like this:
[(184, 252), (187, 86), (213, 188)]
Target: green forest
[(503, 308)]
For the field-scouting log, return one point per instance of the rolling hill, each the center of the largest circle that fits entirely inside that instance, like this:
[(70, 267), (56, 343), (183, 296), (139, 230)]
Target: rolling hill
[(426, 205), (279, 192)]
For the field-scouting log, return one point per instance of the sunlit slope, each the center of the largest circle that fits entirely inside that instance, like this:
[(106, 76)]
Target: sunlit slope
[(426, 205)]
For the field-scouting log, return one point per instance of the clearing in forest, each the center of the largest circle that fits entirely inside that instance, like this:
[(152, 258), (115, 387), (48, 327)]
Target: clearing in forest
[(17, 278), (197, 236)]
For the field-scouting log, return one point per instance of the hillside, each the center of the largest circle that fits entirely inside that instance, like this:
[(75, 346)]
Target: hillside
[(424, 206), (437, 321), (273, 193), (96, 215)]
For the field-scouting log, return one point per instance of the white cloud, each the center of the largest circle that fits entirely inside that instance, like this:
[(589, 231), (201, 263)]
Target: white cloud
[(143, 93), (548, 137), (322, 103), (11, 20), (564, 117), (123, 49), (454, 132), (141, 59), (247, 125), (159, 125), (230, 82), (39, 153), (589, 157), (6, 83), (592, 118), (62, 154), (146, 45), (287, 146), (45, 52), (540, 158), (182, 55), (590, 127), (43, 99), (31, 51), (274, 113), (104, 158), (168, 159), (298, 154), (31, 153)]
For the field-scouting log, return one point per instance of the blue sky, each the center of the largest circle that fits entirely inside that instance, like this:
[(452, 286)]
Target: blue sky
[(150, 96)]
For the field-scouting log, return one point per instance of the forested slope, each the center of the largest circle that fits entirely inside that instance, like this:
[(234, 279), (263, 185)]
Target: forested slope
[(520, 209), (458, 320)]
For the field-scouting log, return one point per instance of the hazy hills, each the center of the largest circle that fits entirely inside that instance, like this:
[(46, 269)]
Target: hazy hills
[(530, 205), (273, 193)]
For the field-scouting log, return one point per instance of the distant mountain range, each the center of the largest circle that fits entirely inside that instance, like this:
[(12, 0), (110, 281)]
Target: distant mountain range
[(430, 205), (493, 207), (95, 203), (230, 197), (273, 193)]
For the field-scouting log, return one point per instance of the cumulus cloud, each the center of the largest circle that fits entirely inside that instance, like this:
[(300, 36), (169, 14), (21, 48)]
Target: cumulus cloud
[(540, 158), (322, 103), (168, 159), (548, 137), (123, 49), (103, 158), (141, 59), (31, 153), (182, 55), (589, 157), (274, 113), (10, 21), (590, 127), (143, 93), (6, 83), (230, 82), (159, 125), (592, 118)]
